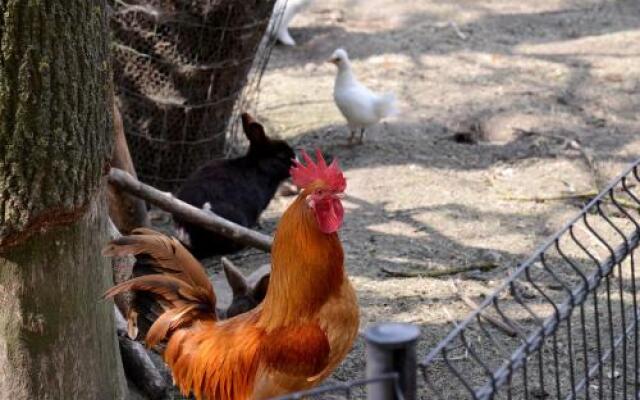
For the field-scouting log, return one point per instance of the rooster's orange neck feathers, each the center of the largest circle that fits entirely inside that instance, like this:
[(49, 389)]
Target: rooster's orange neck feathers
[(307, 267)]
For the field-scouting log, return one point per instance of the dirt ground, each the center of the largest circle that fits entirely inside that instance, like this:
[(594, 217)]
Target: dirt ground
[(547, 91)]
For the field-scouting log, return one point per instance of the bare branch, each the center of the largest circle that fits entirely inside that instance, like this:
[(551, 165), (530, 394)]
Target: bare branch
[(189, 213), (492, 320), (138, 366), (481, 266)]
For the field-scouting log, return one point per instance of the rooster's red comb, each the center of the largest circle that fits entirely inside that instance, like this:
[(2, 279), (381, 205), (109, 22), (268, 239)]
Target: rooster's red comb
[(303, 175)]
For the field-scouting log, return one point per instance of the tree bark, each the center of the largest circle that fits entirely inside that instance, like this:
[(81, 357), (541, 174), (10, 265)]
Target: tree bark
[(56, 334)]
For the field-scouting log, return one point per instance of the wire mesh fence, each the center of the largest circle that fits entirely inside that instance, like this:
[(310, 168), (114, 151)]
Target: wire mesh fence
[(571, 312), (181, 71)]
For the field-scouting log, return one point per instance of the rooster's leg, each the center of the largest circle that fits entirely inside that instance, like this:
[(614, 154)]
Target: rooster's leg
[(361, 136), (352, 136)]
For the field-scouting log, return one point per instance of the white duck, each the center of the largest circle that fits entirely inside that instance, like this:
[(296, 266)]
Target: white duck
[(360, 106), (282, 17)]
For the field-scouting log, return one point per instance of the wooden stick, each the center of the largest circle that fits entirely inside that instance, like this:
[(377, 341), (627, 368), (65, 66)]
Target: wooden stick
[(492, 320), (138, 366), (528, 132), (586, 154), (568, 196), (486, 266), (189, 213), (626, 204), (457, 30), (589, 159)]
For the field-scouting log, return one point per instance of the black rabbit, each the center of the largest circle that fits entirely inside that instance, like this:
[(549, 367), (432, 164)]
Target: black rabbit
[(238, 189)]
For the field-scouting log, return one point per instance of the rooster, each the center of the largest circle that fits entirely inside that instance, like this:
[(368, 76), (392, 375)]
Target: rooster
[(290, 342)]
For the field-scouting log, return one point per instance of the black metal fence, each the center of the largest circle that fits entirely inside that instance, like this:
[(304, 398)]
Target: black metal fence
[(349, 390), (571, 310), (564, 325)]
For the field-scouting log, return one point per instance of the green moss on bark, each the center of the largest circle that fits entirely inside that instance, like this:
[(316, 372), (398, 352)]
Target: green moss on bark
[(54, 98)]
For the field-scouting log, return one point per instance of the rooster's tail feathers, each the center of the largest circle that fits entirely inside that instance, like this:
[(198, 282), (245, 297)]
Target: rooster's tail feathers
[(165, 255), (170, 286)]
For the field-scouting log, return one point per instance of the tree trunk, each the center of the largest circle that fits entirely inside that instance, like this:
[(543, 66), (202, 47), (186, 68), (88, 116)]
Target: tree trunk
[(56, 334)]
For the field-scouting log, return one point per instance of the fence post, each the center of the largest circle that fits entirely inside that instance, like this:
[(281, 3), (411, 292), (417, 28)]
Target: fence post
[(391, 347)]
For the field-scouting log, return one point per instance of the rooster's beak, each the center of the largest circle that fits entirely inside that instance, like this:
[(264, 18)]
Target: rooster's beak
[(333, 60)]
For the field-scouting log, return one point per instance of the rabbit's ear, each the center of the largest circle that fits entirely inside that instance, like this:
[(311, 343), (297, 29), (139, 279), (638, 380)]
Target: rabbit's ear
[(253, 130), (260, 290), (235, 278)]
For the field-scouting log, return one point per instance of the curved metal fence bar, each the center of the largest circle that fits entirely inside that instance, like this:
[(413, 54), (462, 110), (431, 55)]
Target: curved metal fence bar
[(573, 308)]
